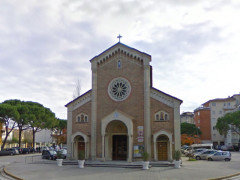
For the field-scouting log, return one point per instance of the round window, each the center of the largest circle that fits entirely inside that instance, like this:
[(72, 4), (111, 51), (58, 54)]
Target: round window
[(119, 89)]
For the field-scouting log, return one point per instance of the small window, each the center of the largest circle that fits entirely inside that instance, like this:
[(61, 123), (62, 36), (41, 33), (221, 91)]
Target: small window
[(119, 64), (166, 117), (213, 104), (81, 118), (198, 121), (220, 112), (161, 116)]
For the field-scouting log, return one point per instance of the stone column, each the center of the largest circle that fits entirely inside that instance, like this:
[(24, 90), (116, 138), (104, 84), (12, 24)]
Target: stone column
[(94, 111), (130, 148), (69, 131), (103, 147), (177, 134), (155, 150), (147, 121)]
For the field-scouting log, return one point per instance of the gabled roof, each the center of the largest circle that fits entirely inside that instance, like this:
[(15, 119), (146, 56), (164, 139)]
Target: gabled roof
[(123, 46), (167, 95), (78, 97)]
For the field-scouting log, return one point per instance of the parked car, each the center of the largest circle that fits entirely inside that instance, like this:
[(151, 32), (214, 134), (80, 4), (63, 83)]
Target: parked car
[(218, 147), (219, 155), (25, 151), (32, 150), (236, 147), (204, 154), (64, 153), (196, 152), (227, 148), (49, 154), (7, 151), (19, 149)]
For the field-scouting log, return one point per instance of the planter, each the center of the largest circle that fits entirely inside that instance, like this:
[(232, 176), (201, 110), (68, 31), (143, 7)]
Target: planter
[(177, 164), (59, 162), (145, 165), (81, 163)]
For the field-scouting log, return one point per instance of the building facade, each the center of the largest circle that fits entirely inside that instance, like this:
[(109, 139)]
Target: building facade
[(187, 117), (123, 114), (206, 117)]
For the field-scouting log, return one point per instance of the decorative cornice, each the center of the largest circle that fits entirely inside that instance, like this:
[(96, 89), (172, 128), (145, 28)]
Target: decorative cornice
[(162, 97), (120, 50), (83, 99)]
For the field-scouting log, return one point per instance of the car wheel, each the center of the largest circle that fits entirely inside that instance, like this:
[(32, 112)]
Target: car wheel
[(49, 158), (227, 159), (11, 154), (198, 158), (210, 159)]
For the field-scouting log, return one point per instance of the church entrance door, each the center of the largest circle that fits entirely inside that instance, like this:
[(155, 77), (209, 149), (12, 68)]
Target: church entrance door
[(119, 147), (162, 151)]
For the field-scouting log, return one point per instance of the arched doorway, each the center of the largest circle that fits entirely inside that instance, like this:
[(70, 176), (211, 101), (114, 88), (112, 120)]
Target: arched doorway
[(116, 135), (162, 147), (79, 143)]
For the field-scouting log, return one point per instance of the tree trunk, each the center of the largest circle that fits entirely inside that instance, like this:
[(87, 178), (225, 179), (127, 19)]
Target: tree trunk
[(34, 132), (20, 137)]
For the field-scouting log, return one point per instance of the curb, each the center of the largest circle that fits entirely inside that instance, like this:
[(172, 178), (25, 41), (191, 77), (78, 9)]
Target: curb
[(224, 177), (11, 175)]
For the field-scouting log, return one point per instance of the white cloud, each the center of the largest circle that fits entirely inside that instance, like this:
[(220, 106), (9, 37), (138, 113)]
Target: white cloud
[(46, 46)]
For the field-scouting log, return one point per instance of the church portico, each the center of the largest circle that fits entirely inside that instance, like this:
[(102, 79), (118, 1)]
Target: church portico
[(117, 131)]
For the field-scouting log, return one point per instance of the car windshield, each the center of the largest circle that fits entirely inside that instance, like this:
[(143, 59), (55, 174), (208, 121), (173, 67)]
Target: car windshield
[(53, 152)]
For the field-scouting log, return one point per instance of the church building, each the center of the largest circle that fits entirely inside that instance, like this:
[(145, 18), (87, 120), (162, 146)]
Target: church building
[(123, 114)]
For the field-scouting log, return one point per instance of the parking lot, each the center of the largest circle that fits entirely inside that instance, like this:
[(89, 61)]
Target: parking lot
[(201, 169)]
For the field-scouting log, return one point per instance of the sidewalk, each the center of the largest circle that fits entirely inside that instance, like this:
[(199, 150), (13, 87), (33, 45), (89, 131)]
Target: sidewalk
[(190, 170)]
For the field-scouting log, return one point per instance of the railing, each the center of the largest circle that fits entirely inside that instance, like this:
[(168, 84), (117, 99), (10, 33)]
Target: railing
[(32, 157)]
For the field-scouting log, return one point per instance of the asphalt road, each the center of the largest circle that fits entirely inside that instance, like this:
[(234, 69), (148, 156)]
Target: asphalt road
[(191, 170)]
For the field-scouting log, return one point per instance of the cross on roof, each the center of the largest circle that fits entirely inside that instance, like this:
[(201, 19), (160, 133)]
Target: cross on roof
[(119, 37)]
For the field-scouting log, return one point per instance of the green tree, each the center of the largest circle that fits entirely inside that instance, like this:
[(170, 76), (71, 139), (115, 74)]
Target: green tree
[(190, 129), (9, 115), (23, 121), (229, 121), (40, 118), (58, 129)]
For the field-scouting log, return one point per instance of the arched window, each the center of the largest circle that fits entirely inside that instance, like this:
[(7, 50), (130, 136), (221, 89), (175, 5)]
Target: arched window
[(166, 117), (161, 116), (82, 118)]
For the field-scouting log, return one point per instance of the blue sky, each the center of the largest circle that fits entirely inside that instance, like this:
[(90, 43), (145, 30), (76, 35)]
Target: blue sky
[(45, 46)]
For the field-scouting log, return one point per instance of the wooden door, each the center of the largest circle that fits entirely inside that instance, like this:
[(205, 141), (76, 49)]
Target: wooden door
[(81, 146), (119, 148), (162, 151)]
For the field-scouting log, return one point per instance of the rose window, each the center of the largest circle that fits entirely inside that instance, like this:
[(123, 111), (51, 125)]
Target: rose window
[(119, 89)]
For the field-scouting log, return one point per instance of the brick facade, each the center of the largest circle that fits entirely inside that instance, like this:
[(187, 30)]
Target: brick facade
[(132, 110)]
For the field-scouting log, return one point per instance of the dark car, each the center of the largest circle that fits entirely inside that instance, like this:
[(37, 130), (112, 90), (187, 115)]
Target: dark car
[(8, 151), (25, 151), (32, 150), (49, 154)]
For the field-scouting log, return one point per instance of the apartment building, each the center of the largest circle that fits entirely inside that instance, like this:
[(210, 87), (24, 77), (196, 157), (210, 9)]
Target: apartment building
[(187, 117), (206, 117)]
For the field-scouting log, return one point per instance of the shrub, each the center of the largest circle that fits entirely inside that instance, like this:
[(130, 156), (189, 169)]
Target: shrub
[(81, 155), (145, 156), (177, 155)]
